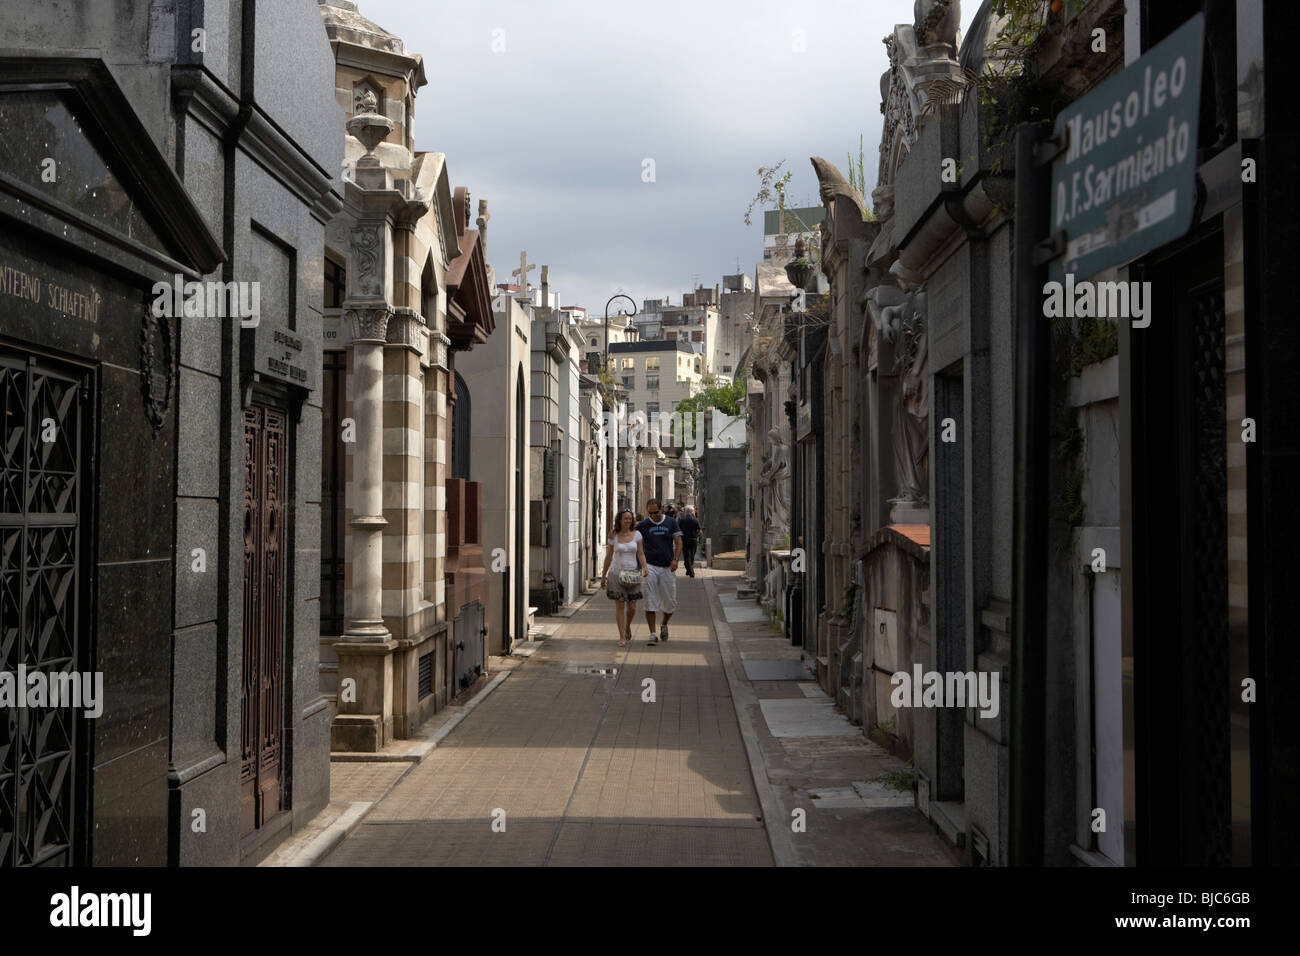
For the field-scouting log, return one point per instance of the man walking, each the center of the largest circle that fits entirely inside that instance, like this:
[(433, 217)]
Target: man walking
[(662, 543), (691, 529)]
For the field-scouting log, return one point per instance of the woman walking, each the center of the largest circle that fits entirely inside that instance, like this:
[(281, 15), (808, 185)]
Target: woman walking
[(626, 554)]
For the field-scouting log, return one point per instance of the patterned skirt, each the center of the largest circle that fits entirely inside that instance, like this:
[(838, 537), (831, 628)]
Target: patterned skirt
[(617, 592)]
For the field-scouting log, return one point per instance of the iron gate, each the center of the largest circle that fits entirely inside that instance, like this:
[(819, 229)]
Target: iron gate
[(44, 625), (263, 634)]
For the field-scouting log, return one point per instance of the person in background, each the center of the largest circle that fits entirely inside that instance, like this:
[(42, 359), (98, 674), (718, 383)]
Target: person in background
[(691, 529), (662, 541)]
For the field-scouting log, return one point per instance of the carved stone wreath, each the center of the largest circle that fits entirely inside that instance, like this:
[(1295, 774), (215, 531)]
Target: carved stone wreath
[(157, 374)]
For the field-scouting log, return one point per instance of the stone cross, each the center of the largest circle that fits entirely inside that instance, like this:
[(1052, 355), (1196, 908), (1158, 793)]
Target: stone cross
[(522, 271)]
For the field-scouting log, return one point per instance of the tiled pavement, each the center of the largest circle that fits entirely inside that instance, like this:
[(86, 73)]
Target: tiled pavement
[(579, 767), (583, 771)]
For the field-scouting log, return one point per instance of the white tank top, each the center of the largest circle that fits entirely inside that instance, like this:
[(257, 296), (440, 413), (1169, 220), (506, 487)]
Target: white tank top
[(625, 552)]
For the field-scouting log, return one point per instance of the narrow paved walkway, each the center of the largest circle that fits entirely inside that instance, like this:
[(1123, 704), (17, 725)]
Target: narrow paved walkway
[(853, 796), (580, 768)]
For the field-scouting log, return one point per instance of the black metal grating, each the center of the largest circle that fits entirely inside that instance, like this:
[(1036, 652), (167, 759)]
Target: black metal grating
[(45, 411), (424, 686)]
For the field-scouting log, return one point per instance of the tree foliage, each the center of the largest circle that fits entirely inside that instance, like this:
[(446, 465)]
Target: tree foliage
[(724, 396)]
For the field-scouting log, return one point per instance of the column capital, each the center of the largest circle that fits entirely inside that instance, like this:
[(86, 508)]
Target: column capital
[(368, 323), (406, 327)]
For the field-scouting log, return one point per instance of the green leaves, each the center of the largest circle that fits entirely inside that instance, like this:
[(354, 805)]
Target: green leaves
[(725, 397)]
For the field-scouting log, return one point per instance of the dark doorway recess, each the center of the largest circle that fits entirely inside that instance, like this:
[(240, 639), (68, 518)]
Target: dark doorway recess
[(1179, 582)]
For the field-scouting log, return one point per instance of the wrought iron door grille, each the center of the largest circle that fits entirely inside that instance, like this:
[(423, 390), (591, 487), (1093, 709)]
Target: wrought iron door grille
[(46, 429), (1207, 568), (263, 631)]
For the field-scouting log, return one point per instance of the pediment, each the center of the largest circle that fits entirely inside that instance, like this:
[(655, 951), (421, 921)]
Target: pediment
[(76, 161)]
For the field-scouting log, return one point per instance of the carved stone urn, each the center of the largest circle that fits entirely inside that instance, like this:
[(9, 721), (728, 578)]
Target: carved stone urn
[(799, 269), (371, 129)]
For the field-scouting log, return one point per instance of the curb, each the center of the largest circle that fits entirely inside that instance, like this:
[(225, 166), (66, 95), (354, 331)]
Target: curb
[(323, 844), (746, 705)]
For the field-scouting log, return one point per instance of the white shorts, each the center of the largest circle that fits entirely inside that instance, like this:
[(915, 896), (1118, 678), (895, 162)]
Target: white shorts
[(660, 590)]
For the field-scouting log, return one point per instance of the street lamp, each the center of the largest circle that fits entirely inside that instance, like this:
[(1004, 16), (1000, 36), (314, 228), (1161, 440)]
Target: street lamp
[(607, 304)]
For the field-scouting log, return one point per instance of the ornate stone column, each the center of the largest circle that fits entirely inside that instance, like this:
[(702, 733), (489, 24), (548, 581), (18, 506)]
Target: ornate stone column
[(365, 701), (365, 620)]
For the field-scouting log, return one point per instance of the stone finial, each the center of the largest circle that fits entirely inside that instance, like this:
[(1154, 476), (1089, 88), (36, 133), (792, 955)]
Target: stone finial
[(832, 184), (936, 22), (522, 272)]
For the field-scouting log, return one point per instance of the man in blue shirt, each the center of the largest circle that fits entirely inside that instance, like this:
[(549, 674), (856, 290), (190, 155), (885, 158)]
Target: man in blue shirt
[(691, 529), (662, 543)]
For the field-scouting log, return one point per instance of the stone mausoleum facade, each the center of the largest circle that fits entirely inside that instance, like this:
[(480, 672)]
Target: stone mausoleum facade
[(160, 474), (406, 287)]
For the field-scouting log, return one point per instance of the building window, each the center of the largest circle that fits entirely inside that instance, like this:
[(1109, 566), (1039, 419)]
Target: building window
[(593, 342), (629, 381), (652, 381), (652, 363), (429, 294), (336, 284), (629, 363), (460, 425)]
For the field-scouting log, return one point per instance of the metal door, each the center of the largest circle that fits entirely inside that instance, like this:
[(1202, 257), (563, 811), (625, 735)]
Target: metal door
[(468, 632), (44, 506), (263, 645)]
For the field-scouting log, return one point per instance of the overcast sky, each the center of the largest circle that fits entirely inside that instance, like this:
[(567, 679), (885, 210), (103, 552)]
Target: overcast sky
[(553, 130)]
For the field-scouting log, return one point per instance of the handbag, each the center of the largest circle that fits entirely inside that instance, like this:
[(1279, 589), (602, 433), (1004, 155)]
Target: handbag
[(629, 579)]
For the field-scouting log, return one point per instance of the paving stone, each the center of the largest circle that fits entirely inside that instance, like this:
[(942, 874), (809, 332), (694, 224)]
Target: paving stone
[(806, 718), (359, 781), (586, 770), (775, 670)]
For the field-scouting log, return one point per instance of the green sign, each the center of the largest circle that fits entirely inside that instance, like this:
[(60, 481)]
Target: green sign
[(1126, 182)]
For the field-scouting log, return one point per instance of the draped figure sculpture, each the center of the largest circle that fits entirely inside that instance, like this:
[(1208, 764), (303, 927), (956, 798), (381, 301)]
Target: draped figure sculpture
[(911, 434)]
